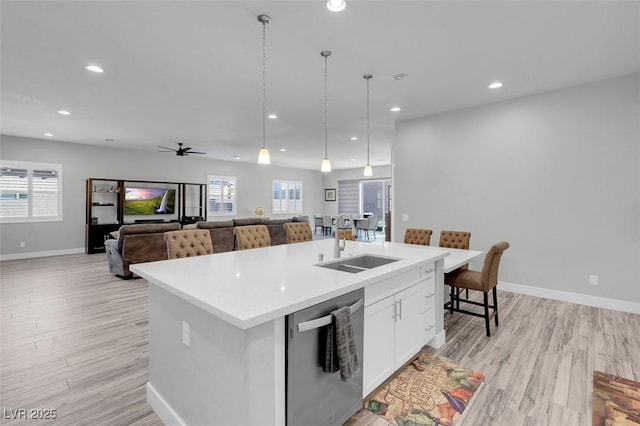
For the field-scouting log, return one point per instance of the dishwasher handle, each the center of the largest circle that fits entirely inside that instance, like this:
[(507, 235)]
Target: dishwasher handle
[(325, 320)]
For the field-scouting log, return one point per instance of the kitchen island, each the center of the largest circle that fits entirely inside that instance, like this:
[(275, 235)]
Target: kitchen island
[(217, 323)]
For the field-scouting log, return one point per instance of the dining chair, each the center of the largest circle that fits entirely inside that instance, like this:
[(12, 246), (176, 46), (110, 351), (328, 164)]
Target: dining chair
[(317, 221), (251, 236), (371, 224), (298, 232), (344, 234), (485, 281), (327, 224), (418, 236), (188, 243)]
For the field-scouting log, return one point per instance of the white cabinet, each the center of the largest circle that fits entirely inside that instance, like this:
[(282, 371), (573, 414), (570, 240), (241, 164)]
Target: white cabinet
[(397, 326)]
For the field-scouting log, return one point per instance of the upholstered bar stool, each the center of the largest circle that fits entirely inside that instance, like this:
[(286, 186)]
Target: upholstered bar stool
[(251, 236), (344, 234), (418, 236), (456, 240), (188, 243), (485, 281), (298, 232)]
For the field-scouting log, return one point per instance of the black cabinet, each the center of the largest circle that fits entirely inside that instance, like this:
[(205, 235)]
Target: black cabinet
[(97, 235)]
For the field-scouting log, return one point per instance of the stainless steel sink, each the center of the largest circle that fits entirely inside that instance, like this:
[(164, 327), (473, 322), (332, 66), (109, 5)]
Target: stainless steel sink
[(357, 264)]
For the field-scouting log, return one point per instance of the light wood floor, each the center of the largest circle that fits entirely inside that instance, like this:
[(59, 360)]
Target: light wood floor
[(74, 338)]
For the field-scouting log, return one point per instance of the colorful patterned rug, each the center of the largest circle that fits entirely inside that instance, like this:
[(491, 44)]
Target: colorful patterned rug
[(616, 401), (427, 392)]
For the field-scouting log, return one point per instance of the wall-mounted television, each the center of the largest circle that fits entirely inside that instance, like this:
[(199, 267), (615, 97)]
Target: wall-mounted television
[(149, 201)]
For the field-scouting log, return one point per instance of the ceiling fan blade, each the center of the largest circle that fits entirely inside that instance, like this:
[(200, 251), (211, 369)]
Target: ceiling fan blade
[(168, 149), (196, 152)]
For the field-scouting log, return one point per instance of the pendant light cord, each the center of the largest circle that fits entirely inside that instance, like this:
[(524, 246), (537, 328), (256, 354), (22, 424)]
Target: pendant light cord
[(368, 77), (264, 83), (326, 107)]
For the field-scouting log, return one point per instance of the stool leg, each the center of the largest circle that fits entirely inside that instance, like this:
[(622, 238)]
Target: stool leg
[(495, 304), (486, 312), (451, 303)]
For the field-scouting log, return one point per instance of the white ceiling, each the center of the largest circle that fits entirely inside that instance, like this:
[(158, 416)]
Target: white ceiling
[(192, 71)]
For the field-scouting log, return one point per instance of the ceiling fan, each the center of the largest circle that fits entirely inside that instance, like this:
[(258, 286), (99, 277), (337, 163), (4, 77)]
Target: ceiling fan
[(181, 152)]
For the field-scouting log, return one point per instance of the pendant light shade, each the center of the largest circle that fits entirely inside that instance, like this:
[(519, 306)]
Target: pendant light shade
[(263, 155), (368, 171), (326, 164), (336, 5)]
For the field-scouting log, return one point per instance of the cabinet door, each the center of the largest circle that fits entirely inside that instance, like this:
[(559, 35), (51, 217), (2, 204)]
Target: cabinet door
[(378, 358), (411, 327)]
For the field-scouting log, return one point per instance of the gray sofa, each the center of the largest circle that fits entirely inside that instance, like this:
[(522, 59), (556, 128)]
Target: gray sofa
[(141, 243)]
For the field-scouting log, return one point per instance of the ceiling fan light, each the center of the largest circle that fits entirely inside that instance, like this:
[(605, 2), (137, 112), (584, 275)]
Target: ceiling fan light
[(336, 5), (264, 157), (326, 165), (368, 171)]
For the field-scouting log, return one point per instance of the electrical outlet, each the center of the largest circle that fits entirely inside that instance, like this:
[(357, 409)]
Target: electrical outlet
[(593, 279), (23, 244), (186, 338), (405, 217)]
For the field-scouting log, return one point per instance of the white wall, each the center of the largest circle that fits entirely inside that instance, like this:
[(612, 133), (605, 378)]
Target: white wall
[(83, 161), (330, 180), (555, 174)]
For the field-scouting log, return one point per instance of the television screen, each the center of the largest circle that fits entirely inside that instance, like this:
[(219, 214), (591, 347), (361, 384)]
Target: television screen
[(145, 201)]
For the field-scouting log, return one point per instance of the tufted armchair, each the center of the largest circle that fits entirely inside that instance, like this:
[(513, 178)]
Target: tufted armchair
[(485, 281), (251, 236), (188, 243), (418, 236), (298, 232)]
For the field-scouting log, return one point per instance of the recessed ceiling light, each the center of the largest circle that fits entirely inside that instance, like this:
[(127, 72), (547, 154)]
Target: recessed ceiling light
[(283, 149), (272, 116), (400, 76), (395, 109), (336, 5), (64, 112), (93, 68), (48, 134), (354, 138), (495, 85), (235, 157)]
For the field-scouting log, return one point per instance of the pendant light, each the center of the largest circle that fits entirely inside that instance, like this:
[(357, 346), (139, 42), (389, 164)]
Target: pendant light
[(368, 171), (263, 156), (326, 164)]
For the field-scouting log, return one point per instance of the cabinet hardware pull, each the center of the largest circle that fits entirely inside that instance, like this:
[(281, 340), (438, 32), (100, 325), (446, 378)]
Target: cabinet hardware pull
[(400, 303), (429, 295), (325, 320), (430, 327)]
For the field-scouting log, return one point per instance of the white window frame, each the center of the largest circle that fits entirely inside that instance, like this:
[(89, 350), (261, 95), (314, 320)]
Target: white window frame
[(30, 167), (278, 209), (234, 196)]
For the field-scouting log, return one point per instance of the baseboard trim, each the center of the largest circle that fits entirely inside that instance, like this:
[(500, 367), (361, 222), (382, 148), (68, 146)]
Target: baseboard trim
[(565, 296), (161, 408), (438, 340), (47, 253)]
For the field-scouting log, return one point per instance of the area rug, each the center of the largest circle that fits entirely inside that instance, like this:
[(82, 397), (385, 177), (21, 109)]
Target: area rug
[(616, 401), (427, 392)]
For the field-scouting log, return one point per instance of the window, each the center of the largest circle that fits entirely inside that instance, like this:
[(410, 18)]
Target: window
[(357, 197), (287, 197), (222, 195), (30, 192)]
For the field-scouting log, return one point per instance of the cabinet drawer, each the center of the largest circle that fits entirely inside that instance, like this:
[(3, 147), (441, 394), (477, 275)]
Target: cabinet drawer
[(427, 271), (429, 293), (393, 285)]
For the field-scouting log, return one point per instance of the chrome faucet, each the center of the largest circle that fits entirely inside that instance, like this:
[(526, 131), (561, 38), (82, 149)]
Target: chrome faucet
[(337, 248)]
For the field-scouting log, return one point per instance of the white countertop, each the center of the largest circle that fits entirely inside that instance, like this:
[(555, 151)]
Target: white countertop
[(250, 287)]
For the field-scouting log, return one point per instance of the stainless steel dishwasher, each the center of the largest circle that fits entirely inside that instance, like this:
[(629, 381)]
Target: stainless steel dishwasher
[(312, 396)]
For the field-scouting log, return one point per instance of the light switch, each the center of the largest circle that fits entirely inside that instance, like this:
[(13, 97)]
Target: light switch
[(405, 217), (593, 279)]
